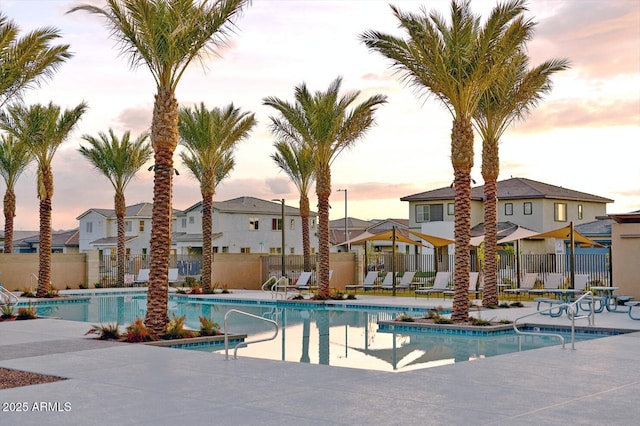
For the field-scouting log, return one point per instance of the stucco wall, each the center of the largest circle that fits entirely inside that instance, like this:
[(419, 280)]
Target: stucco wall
[(625, 252), (66, 270)]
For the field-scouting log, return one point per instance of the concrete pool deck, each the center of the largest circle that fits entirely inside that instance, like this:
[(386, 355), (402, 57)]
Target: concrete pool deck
[(121, 384)]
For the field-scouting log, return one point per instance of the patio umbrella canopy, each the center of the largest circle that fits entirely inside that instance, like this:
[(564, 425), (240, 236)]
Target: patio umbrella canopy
[(564, 233)]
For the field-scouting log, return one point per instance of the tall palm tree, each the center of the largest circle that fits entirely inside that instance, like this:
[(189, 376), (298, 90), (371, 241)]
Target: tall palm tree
[(27, 61), (14, 159), (210, 138), (119, 160), (456, 62), (323, 122), (43, 129), (297, 162), (166, 36), (510, 98)]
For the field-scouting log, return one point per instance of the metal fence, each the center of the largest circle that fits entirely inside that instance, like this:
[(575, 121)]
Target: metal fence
[(187, 265)]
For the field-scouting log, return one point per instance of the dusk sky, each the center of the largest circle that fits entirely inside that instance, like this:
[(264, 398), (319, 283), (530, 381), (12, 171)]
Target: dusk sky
[(584, 136)]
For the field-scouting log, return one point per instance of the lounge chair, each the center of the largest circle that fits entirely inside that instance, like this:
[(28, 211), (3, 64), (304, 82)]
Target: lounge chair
[(404, 284), (581, 281), (369, 282), (552, 282), (387, 282), (173, 275), (142, 278), (473, 285), (440, 283), (526, 286), (302, 283)]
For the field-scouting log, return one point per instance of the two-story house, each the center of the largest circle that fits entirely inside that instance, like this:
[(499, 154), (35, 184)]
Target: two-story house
[(245, 225), (240, 225), (531, 204)]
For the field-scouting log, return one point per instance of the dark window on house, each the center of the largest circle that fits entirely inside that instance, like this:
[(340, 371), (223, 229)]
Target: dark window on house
[(560, 212), (508, 209), (276, 224), (429, 212), (528, 208), (253, 224), (245, 250), (89, 227), (142, 226)]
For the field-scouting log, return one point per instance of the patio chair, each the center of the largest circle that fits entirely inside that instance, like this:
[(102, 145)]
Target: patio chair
[(369, 282), (552, 282), (440, 283), (173, 275), (526, 286), (302, 283), (473, 285), (581, 281), (404, 284), (142, 278)]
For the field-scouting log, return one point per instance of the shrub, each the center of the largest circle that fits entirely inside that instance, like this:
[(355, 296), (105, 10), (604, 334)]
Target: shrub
[(351, 296), (28, 312), (83, 286), (27, 292), (434, 315), (336, 295), (137, 332), (516, 305), (404, 317), (208, 327), (98, 285), (175, 328), (6, 311), (479, 321), (106, 332), (51, 291)]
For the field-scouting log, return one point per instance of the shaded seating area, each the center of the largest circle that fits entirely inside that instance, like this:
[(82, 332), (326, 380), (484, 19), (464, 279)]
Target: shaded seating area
[(528, 282), (552, 282), (473, 285), (440, 284)]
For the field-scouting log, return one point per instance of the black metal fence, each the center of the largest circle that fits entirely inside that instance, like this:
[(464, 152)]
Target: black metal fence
[(187, 265)]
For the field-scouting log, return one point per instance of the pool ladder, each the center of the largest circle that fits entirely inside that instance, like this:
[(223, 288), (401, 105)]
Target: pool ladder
[(272, 287), (245, 343), (571, 309)]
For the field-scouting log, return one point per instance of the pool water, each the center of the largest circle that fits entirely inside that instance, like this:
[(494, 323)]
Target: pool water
[(336, 336)]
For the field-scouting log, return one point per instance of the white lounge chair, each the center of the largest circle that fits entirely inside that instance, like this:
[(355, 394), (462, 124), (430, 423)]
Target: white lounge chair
[(403, 284), (369, 282), (302, 283), (526, 285), (581, 281), (552, 282), (440, 283), (142, 278), (173, 275), (473, 285)]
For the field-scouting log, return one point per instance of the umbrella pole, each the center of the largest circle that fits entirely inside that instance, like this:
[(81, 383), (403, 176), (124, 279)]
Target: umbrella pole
[(393, 259), (572, 260)]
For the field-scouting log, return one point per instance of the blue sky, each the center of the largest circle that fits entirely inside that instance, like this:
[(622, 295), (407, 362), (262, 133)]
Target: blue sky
[(583, 136)]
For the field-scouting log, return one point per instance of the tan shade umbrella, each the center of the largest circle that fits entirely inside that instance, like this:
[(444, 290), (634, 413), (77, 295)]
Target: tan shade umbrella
[(432, 239), (383, 236), (564, 233)]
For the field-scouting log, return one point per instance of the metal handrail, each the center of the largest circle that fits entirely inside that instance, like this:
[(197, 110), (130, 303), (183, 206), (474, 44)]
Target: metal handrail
[(280, 282), (266, 286), (8, 295), (245, 343), (571, 309)]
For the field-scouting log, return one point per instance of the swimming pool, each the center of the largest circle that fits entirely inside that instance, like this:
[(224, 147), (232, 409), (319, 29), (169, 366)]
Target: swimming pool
[(332, 334)]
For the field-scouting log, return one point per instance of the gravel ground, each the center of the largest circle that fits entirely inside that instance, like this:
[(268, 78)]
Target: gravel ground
[(17, 378)]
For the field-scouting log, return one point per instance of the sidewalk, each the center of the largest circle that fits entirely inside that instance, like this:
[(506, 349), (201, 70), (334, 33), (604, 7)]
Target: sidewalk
[(125, 384)]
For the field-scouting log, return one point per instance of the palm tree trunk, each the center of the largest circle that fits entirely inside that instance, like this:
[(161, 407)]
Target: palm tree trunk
[(323, 190), (306, 244), (462, 160), (164, 138), (44, 245), (207, 229), (120, 208), (490, 170), (9, 214)]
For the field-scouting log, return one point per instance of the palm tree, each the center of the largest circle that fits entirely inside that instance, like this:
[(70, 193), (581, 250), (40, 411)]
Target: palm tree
[(43, 129), (14, 159), (297, 162), (166, 36), (323, 122), (119, 160), (210, 137), (27, 61), (510, 98), (456, 62)]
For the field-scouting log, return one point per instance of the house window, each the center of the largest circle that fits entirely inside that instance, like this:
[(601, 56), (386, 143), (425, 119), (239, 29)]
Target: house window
[(276, 224), (508, 209), (579, 211), (183, 222), (528, 208), (450, 209), (245, 250), (192, 220), (275, 250), (292, 224), (214, 249), (313, 224), (560, 212), (253, 224), (429, 213), (89, 227), (142, 226), (313, 250), (292, 250), (225, 249), (128, 225)]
